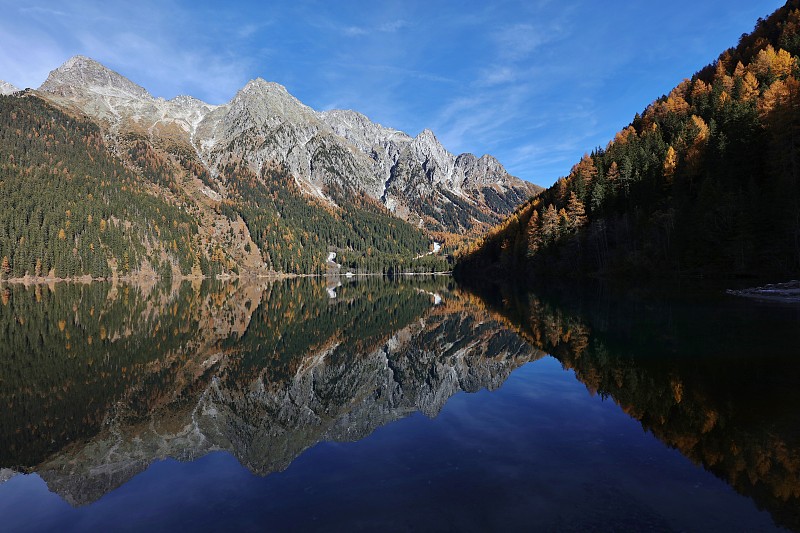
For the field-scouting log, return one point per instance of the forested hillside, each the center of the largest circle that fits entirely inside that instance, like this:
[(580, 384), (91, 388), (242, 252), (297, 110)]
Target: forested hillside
[(294, 231), (703, 182), (71, 208), (138, 186)]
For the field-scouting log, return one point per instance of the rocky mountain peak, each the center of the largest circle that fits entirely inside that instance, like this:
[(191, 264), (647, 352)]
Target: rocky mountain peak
[(7, 88), (427, 142), (260, 84), (83, 74), (361, 131), (436, 161), (187, 101), (484, 170), (427, 136), (269, 99), (183, 105), (261, 89), (489, 160)]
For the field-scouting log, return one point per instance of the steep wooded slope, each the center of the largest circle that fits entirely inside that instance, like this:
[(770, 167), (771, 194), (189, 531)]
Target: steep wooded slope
[(704, 181)]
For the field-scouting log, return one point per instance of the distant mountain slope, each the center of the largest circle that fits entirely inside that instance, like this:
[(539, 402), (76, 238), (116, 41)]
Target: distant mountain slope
[(81, 203), (704, 181), (416, 179), (424, 182), (70, 207)]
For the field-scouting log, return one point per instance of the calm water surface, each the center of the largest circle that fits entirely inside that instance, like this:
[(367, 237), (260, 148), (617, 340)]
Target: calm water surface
[(414, 405)]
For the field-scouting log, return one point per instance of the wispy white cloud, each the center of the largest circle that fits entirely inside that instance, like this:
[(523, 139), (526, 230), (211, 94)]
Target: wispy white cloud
[(393, 26), (44, 11), (353, 31), (517, 41), (386, 27), (497, 76), (248, 30)]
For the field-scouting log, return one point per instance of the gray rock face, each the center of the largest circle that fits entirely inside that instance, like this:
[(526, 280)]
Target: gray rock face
[(120, 104), (81, 74), (425, 183), (7, 88), (265, 124), (415, 178)]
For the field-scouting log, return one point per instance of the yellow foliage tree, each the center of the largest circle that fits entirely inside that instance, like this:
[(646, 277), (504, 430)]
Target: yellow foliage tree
[(576, 213), (533, 233), (700, 88), (697, 143), (670, 164), (676, 103), (613, 174), (623, 136), (749, 90), (585, 168), (780, 63), (721, 77)]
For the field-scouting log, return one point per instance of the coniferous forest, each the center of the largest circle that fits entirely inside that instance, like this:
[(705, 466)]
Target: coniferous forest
[(71, 208), (703, 182)]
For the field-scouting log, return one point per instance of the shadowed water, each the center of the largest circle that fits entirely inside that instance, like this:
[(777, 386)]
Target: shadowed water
[(367, 404)]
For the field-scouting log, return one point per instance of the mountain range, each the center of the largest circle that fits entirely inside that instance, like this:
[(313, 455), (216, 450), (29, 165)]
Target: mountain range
[(237, 169), (263, 123)]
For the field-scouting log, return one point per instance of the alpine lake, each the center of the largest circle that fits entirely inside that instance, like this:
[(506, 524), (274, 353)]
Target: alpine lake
[(327, 404)]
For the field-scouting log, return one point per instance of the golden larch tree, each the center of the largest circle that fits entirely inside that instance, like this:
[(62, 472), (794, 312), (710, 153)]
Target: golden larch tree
[(670, 164), (533, 231), (612, 176), (749, 90), (721, 77), (780, 63), (699, 133), (700, 88), (576, 213), (585, 169)]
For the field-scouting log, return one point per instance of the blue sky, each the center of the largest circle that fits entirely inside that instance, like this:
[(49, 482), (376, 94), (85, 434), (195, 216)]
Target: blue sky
[(534, 83)]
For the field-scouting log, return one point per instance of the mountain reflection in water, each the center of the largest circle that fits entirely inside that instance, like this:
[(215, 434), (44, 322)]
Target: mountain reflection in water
[(101, 381)]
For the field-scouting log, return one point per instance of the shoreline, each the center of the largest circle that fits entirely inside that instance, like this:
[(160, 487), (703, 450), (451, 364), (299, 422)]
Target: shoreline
[(86, 279)]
